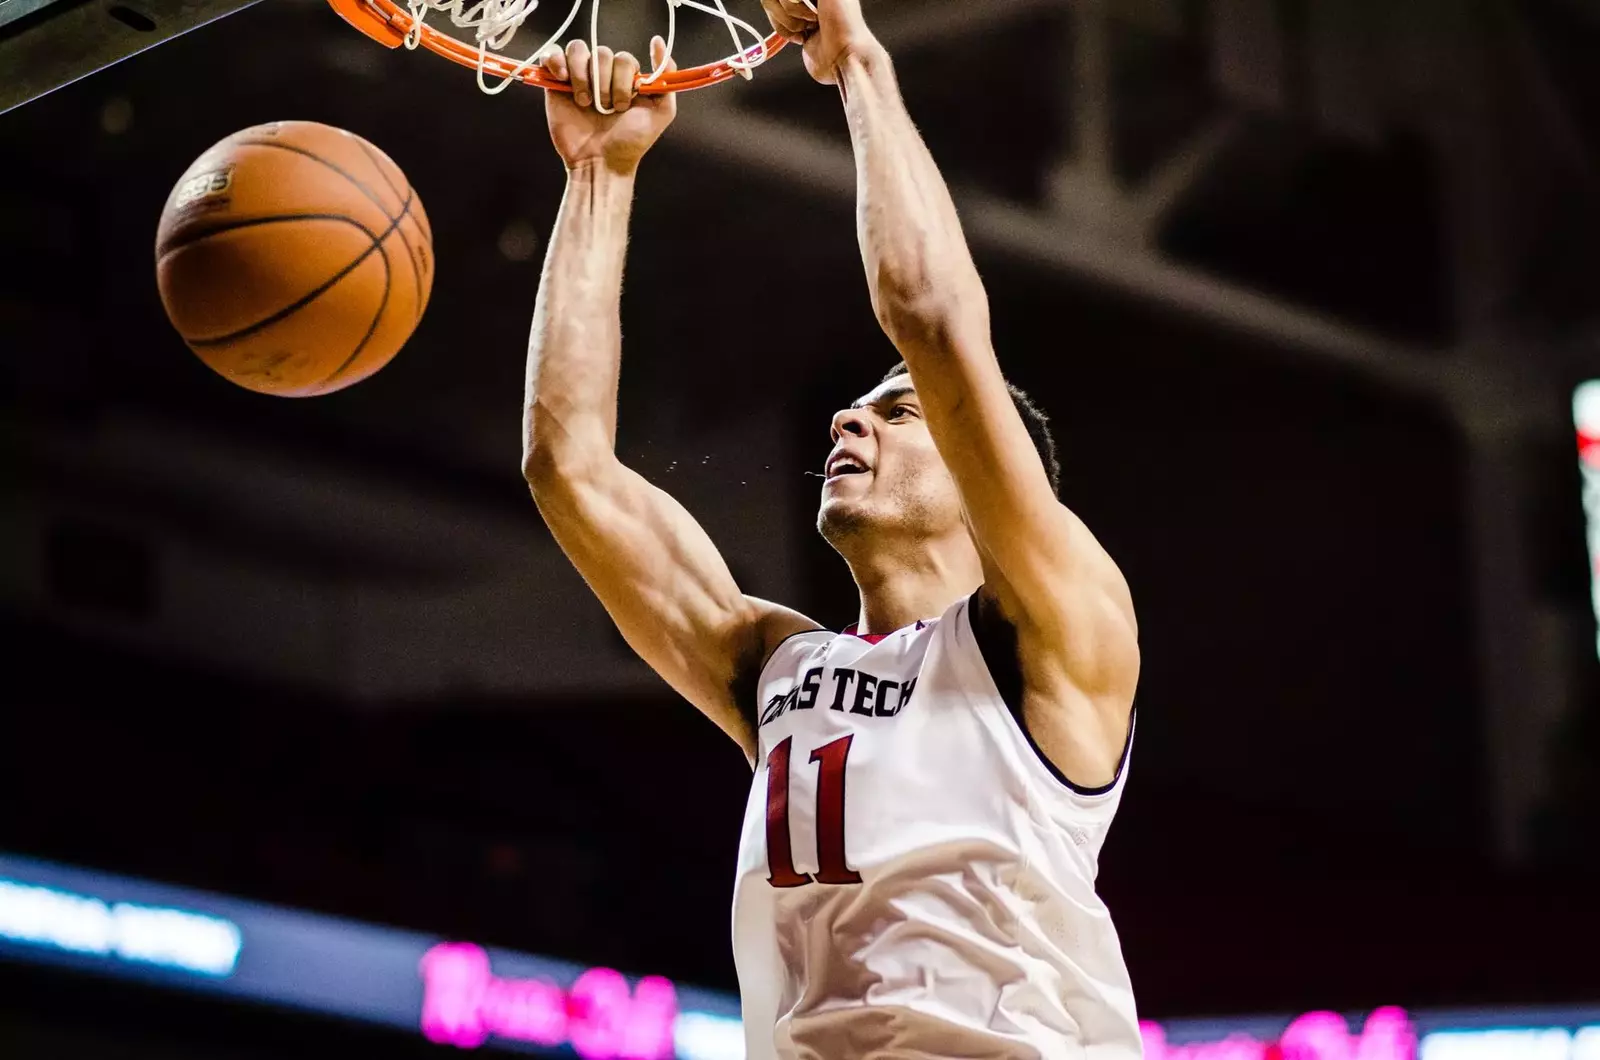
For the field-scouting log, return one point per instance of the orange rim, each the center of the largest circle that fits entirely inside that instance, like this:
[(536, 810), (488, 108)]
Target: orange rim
[(388, 23)]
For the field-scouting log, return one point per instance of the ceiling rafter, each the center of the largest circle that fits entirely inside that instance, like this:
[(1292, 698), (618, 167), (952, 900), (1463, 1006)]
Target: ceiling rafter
[(781, 150)]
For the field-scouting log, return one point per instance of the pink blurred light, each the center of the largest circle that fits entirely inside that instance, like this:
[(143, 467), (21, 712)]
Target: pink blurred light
[(464, 1002), (1387, 1035)]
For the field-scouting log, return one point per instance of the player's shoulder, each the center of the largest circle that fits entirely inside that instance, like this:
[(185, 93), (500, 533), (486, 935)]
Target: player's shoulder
[(776, 624)]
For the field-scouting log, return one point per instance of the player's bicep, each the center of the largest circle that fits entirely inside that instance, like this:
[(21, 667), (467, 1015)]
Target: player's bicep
[(665, 585)]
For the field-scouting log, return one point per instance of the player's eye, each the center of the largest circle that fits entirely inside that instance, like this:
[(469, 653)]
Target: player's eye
[(900, 410)]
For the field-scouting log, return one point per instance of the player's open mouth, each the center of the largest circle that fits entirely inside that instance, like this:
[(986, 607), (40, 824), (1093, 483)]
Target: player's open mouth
[(845, 464)]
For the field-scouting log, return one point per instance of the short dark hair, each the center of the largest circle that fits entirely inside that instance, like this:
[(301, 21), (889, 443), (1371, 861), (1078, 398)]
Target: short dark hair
[(1033, 417)]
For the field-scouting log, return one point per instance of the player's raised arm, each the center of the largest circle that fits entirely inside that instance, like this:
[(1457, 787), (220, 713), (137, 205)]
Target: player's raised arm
[(645, 557), (1049, 576)]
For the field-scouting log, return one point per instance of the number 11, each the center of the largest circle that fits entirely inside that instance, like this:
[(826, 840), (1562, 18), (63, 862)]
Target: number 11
[(831, 867)]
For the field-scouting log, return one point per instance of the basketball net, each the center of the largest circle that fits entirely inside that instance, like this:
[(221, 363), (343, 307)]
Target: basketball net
[(494, 23)]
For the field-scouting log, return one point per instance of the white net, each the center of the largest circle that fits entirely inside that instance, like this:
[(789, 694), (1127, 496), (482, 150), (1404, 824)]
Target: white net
[(493, 24)]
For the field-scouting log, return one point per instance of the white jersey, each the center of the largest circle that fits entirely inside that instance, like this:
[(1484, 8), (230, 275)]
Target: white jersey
[(915, 880)]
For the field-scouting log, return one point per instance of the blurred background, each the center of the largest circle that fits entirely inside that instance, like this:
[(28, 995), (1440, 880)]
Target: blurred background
[(1305, 285)]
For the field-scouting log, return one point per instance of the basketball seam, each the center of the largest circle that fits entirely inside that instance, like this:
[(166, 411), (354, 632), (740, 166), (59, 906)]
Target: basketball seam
[(191, 238), (372, 196), (289, 310), (416, 274), (383, 304), (301, 303), (388, 286), (368, 192)]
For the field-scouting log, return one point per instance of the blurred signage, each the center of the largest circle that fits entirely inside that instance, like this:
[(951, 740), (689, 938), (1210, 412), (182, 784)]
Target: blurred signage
[(154, 935), (465, 996), (1384, 1034), (1586, 412), (1514, 1043), (455, 993), (464, 1003)]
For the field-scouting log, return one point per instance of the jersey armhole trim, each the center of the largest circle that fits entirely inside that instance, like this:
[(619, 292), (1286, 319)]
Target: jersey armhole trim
[(746, 689), (998, 649)]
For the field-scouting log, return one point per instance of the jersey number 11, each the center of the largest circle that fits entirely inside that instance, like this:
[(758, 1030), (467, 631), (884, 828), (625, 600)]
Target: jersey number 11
[(831, 867)]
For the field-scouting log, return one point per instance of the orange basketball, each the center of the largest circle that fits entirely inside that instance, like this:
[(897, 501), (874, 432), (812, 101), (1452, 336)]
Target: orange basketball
[(294, 258)]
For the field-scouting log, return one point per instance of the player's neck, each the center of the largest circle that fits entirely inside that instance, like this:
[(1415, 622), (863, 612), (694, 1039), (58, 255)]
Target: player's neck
[(899, 588)]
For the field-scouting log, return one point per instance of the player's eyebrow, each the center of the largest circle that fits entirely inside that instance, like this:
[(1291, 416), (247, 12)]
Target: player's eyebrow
[(892, 394)]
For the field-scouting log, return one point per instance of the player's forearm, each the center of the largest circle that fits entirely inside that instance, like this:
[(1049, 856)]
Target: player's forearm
[(575, 349), (919, 269)]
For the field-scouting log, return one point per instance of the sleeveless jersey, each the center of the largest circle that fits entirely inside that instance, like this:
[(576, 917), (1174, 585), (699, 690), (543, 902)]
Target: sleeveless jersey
[(915, 880)]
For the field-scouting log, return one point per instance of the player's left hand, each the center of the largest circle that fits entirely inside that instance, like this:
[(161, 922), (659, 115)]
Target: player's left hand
[(827, 30)]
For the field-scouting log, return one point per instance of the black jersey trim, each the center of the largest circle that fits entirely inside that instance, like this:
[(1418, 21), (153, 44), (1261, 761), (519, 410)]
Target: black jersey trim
[(997, 645), (747, 693)]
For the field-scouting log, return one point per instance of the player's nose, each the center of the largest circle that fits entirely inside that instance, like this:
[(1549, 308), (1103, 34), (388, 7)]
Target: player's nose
[(849, 421)]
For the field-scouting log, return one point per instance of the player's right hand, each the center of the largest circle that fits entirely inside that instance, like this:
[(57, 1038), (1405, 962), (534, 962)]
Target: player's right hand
[(581, 133)]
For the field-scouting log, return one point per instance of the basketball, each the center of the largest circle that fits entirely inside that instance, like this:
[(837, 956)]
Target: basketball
[(294, 258)]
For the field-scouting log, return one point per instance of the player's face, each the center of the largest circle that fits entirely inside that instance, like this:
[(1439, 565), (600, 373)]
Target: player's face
[(883, 474)]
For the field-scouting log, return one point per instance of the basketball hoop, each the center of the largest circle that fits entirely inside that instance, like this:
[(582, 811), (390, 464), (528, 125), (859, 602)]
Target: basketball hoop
[(400, 23)]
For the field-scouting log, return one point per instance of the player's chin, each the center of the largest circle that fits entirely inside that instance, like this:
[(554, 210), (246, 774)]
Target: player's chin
[(840, 516)]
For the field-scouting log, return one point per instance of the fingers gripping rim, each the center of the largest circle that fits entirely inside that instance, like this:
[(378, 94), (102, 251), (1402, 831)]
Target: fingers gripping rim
[(494, 22)]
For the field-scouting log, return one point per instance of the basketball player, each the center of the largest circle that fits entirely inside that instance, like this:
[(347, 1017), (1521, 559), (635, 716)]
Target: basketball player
[(933, 786)]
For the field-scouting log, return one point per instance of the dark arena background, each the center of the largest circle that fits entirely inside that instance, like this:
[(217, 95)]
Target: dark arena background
[(306, 717)]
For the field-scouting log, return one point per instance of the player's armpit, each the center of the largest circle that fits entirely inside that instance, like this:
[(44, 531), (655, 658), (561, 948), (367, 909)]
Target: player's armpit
[(1077, 665), (665, 585)]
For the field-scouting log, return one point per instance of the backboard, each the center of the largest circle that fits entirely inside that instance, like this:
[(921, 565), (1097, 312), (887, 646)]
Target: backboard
[(45, 44)]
